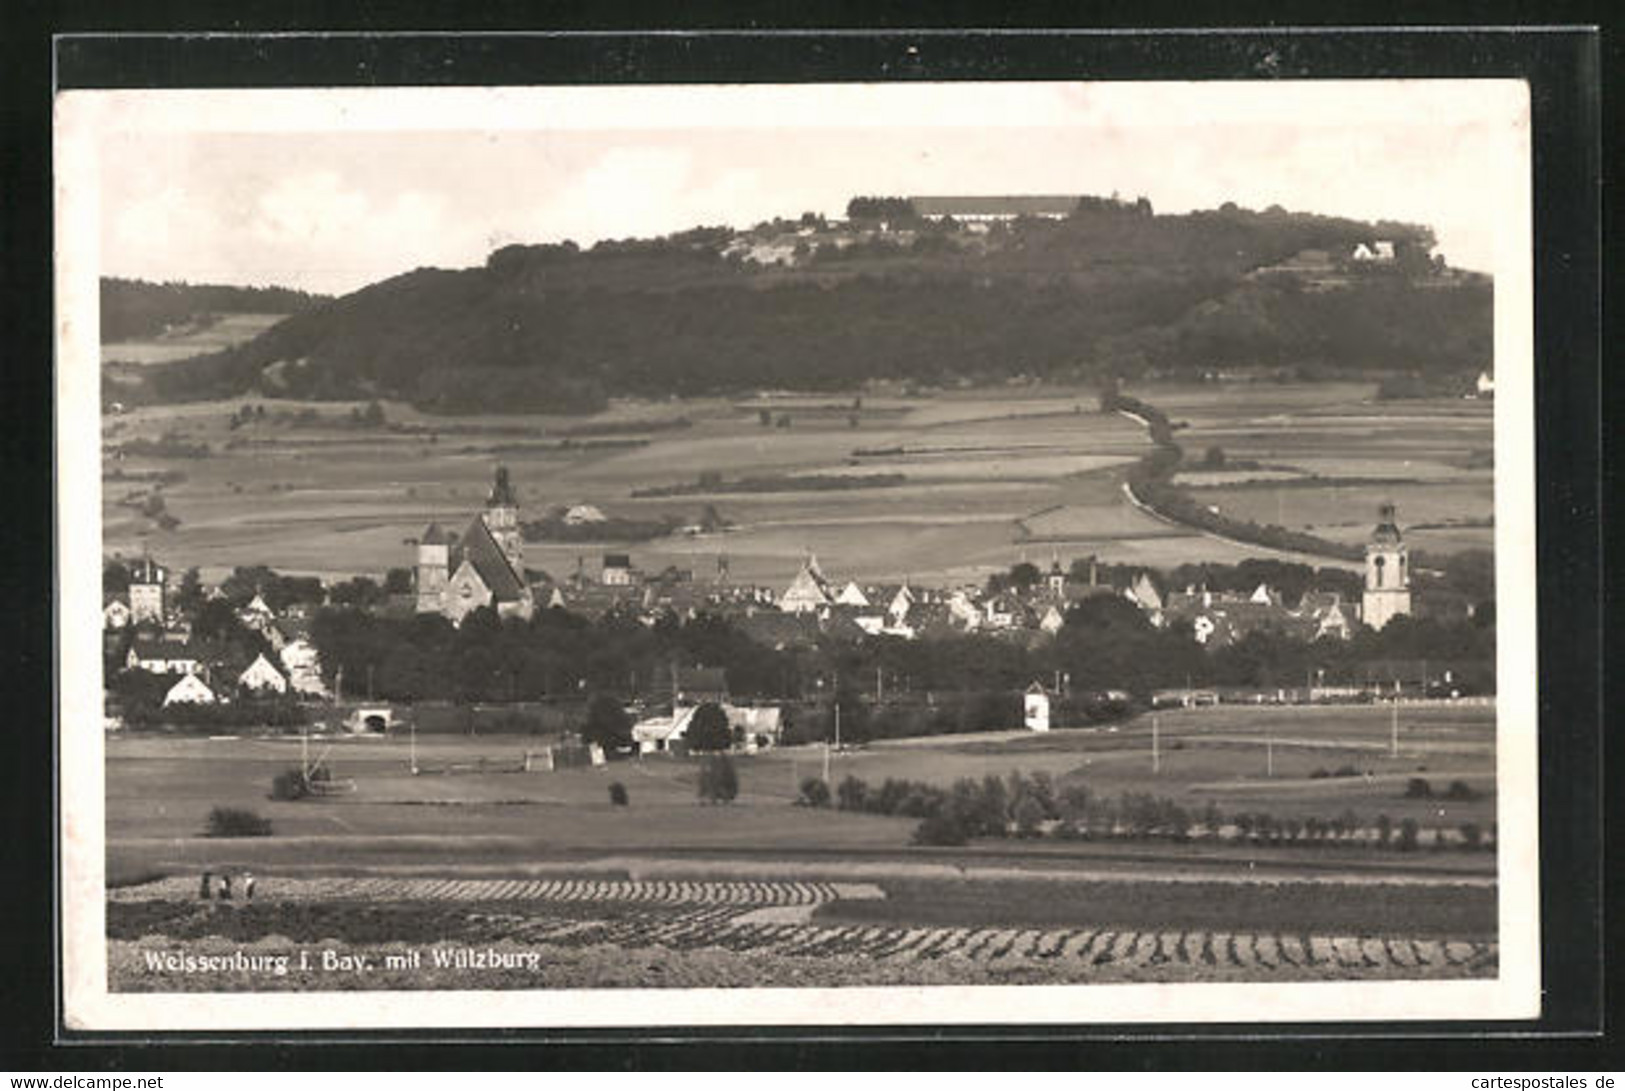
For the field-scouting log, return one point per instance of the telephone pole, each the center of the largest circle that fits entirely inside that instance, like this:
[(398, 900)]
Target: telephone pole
[(1156, 752)]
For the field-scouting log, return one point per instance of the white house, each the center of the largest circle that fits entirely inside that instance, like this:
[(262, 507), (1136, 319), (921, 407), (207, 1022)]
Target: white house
[(163, 657), (303, 666), (1486, 383), (1052, 621), (808, 592), (1381, 250), (616, 570), (658, 732), (1143, 593), (116, 614), (1035, 708), (261, 677), (852, 595), (581, 514), (190, 690)]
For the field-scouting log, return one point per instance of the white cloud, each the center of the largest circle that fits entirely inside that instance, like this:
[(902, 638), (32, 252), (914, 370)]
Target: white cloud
[(641, 191), (308, 210)]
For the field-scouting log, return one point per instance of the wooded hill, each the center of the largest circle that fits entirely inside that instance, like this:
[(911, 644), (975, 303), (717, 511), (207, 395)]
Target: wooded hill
[(1111, 290), (133, 309)]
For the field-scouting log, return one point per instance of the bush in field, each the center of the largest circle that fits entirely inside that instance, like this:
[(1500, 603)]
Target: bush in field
[(814, 793), (922, 802), (942, 829), (1074, 802), (719, 782), (1029, 814), (617, 794), (1460, 790), (1385, 830), (1408, 835), (1418, 788), (851, 794), (708, 730), (236, 822), (289, 785), (294, 783)]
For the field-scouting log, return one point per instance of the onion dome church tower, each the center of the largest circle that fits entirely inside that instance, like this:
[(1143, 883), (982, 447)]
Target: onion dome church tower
[(1387, 573), (502, 519)]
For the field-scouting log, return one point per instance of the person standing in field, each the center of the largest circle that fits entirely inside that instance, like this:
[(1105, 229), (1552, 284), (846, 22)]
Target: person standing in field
[(203, 888), (248, 886), (225, 887)]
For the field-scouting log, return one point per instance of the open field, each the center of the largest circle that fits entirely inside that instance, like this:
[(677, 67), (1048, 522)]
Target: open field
[(672, 892), (223, 332), (992, 475), (159, 789), (412, 934)]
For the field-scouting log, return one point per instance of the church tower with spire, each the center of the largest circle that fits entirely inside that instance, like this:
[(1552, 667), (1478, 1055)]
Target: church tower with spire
[(502, 519), (1387, 573)]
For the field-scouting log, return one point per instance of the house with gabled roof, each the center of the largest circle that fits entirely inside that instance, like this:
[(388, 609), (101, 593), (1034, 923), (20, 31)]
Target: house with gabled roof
[(164, 655), (809, 591), (189, 690), (1144, 594), (261, 677), (115, 613)]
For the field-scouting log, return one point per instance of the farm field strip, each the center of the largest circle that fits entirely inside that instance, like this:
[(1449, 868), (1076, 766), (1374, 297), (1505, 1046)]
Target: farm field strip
[(1076, 952), (384, 888)]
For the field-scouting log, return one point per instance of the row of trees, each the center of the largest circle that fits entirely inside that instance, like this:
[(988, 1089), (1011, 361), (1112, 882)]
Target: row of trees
[(1034, 805), (1106, 644)]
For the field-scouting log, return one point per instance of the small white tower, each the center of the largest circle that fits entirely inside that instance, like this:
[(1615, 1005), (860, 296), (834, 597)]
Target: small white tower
[(147, 594), (1056, 578), (1387, 573)]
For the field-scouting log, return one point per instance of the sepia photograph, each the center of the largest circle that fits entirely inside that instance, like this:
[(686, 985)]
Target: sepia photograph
[(797, 554)]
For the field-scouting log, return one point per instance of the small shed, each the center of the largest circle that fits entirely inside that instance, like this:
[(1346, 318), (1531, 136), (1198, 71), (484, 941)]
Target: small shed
[(1035, 708)]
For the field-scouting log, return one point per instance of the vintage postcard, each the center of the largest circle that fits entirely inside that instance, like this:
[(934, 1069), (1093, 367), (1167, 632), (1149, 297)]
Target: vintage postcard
[(797, 555)]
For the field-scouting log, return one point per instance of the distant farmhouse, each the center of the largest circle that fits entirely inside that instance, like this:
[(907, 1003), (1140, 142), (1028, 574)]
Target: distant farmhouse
[(486, 567)]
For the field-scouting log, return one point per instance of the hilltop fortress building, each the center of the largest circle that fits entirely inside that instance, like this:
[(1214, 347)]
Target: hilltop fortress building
[(485, 567)]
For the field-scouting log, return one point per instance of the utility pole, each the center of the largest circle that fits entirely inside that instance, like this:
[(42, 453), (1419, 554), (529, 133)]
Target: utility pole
[(1156, 750), (413, 724), (1269, 755), (1393, 731)]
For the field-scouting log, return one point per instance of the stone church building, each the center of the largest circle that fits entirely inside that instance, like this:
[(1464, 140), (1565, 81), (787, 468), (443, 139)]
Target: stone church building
[(485, 567)]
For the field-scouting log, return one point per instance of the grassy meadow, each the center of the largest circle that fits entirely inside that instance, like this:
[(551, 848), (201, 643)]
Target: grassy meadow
[(160, 788)]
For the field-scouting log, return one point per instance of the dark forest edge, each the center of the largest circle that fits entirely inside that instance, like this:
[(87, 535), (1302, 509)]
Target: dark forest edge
[(133, 309), (555, 328)]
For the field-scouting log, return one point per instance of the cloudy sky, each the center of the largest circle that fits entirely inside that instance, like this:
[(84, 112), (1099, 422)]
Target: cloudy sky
[(332, 190)]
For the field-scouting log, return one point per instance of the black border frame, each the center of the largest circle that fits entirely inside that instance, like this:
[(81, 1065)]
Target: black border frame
[(1563, 66)]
